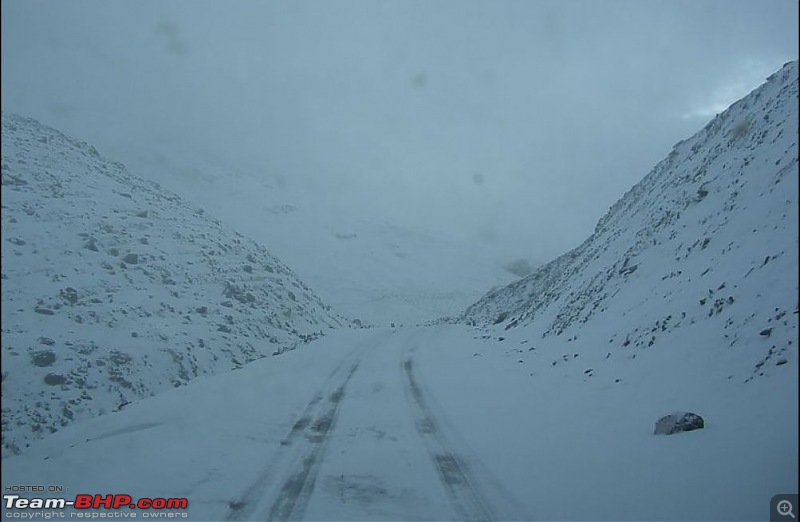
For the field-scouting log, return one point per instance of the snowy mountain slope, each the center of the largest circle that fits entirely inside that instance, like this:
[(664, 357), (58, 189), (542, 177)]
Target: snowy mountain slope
[(513, 423), (365, 267), (709, 236), (114, 289)]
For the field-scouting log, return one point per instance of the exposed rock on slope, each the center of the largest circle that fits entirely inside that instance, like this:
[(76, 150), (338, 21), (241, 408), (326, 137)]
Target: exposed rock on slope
[(114, 289), (709, 235)]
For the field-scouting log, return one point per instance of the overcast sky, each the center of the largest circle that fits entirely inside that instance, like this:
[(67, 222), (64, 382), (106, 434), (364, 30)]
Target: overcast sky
[(516, 123)]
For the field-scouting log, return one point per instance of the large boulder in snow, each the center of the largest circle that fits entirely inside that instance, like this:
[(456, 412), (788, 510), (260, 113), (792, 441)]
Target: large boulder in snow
[(678, 421)]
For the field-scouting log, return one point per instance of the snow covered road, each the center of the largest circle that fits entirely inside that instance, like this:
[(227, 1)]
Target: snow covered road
[(344, 429), (440, 423), (368, 445)]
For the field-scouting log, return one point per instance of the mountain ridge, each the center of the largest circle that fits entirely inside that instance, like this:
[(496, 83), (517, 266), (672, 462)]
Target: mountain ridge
[(689, 199), (91, 249)]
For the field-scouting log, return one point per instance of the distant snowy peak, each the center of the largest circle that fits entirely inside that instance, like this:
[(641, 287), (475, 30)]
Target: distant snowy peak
[(114, 289), (713, 222)]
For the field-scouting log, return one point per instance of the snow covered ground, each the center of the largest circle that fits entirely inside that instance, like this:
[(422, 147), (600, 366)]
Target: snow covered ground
[(539, 404), (444, 423)]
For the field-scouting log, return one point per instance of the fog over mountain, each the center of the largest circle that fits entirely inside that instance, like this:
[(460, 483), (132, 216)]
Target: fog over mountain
[(512, 125)]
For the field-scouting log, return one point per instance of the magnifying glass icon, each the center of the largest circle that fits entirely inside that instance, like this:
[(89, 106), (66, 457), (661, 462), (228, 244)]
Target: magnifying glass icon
[(785, 508)]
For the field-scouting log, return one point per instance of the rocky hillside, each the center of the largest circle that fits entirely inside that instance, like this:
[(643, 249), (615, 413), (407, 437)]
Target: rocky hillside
[(708, 238), (114, 289)]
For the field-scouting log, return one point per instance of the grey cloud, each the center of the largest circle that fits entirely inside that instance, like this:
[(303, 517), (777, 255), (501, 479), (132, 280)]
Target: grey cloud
[(558, 106)]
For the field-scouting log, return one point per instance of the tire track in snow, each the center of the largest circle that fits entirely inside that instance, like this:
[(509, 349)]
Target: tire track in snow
[(296, 490), (454, 474), (282, 490)]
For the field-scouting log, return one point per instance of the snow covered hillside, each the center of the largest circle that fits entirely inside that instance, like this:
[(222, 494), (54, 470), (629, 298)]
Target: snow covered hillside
[(543, 408), (114, 289), (708, 239)]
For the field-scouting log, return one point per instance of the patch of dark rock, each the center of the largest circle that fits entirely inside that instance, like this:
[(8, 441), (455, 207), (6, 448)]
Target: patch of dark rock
[(678, 421), (142, 214), (69, 294), (236, 505), (202, 310), (43, 311), (781, 362), (766, 332), (54, 379), (17, 241), (502, 316), (46, 341), (237, 293), (43, 358), (119, 358), (8, 179), (131, 259)]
